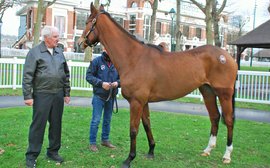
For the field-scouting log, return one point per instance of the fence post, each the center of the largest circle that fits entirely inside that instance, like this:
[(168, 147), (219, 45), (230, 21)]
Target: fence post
[(14, 81)]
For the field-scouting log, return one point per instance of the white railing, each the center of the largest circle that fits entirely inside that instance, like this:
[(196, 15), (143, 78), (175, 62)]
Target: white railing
[(21, 53), (251, 86), (12, 52)]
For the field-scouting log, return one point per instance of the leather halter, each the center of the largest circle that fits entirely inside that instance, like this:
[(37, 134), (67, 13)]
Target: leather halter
[(86, 40)]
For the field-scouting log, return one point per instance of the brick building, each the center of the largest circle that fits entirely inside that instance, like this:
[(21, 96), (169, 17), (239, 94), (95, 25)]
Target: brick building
[(134, 15)]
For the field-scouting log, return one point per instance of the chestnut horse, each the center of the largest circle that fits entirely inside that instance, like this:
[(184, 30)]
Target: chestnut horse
[(148, 74)]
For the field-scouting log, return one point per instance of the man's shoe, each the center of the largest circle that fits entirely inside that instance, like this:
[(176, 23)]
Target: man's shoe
[(93, 148), (108, 144), (31, 163), (55, 158)]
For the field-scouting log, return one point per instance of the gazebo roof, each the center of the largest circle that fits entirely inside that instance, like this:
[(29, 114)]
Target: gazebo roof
[(257, 38)]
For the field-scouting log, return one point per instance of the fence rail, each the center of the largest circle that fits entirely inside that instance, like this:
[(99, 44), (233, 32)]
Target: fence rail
[(250, 87)]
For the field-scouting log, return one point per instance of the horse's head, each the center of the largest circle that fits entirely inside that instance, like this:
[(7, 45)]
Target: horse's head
[(90, 33)]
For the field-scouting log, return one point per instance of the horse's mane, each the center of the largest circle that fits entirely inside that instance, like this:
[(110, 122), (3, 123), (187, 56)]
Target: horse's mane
[(130, 35), (120, 27)]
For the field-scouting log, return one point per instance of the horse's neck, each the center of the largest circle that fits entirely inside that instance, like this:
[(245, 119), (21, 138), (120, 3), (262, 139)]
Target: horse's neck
[(118, 44)]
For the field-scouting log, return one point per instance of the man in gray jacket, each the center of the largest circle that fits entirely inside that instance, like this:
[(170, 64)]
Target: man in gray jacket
[(46, 87)]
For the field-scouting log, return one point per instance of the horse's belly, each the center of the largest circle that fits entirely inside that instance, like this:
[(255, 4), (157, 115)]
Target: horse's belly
[(169, 93)]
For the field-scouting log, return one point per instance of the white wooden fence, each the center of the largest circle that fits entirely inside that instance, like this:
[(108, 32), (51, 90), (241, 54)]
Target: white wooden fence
[(251, 86)]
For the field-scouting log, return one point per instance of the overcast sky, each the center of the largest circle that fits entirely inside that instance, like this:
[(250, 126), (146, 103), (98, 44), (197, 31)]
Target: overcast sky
[(11, 21)]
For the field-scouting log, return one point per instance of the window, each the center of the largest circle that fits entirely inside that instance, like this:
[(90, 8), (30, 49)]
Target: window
[(199, 33), (77, 48), (119, 20), (132, 24), (146, 27), (60, 23), (81, 19), (221, 35), (158, 27), (186, 31), (147, 5), (134, 5)]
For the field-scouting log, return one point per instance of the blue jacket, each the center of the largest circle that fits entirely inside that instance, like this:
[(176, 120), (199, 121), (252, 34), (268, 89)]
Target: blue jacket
[(98, 72)]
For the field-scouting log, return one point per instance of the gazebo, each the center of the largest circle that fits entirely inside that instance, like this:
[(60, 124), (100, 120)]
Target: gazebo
[(257, 38)]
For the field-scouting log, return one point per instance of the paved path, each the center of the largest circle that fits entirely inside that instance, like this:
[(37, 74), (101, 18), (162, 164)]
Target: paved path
[(169, 106)]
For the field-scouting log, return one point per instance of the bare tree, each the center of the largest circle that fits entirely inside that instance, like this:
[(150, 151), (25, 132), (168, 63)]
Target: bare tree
[(88, 51), (216, 14), (42, 6), (239, 21), (153, 21), (96, 3), (178, 32), (207, 10), (5, 4)]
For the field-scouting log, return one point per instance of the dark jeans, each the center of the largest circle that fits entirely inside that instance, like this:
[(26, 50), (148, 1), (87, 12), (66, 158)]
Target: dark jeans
[(47, 107)]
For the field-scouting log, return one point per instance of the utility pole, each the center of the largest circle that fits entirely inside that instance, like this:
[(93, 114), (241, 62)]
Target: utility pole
[(254, 21), (0, 35)]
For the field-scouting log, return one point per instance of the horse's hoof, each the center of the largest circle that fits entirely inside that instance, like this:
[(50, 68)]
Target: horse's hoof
[(125, 166), (205, 154), (226, 161), (148, 156), (213, 146)]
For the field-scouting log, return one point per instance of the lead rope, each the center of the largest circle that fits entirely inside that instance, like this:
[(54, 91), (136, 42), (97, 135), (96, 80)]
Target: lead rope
[(116, 105), (110, 94), (114, 99)]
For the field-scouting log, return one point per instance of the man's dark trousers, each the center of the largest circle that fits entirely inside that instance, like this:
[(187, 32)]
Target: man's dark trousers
[(47, 107)]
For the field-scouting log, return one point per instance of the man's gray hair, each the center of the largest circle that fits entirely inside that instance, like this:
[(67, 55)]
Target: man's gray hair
[(47, 31)]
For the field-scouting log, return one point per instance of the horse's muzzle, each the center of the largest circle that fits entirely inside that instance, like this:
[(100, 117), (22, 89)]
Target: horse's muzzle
[(81, 43)]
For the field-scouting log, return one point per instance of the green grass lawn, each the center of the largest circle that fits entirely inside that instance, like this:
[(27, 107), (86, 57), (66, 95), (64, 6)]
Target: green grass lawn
[(179, 138), (254, 68)]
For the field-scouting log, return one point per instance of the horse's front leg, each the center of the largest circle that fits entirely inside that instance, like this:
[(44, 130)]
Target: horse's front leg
[(135, 114), (148, 131)]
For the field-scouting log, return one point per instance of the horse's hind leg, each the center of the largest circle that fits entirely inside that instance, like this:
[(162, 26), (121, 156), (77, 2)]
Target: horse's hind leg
[(226, 98), (148, 131), (214, 115)]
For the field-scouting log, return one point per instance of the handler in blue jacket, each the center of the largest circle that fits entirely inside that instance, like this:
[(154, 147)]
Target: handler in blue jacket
[(104, 78)]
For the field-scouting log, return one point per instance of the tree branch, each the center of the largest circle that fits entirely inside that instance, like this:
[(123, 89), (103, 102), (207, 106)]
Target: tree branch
[(222, 7), (200, 6)]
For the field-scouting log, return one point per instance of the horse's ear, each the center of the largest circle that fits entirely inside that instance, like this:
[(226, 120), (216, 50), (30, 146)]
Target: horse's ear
[(92, 8), (101, 8)]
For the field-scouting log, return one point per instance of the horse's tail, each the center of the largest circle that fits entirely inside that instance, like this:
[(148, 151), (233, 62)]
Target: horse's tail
[(233, 104)]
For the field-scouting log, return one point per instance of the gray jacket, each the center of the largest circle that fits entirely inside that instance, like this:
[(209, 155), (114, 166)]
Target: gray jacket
[(44, 72)]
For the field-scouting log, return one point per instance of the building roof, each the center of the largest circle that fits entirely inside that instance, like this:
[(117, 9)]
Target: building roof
[(257, 38), (263, 53)]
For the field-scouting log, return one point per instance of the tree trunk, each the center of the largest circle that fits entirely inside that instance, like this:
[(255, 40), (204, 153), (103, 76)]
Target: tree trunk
[(153, 21), (216, 18), (88, 51), (96, 3), (40, 13), (207, 10), (209, 22), (216, 26), (178, 34), (37, 24)]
